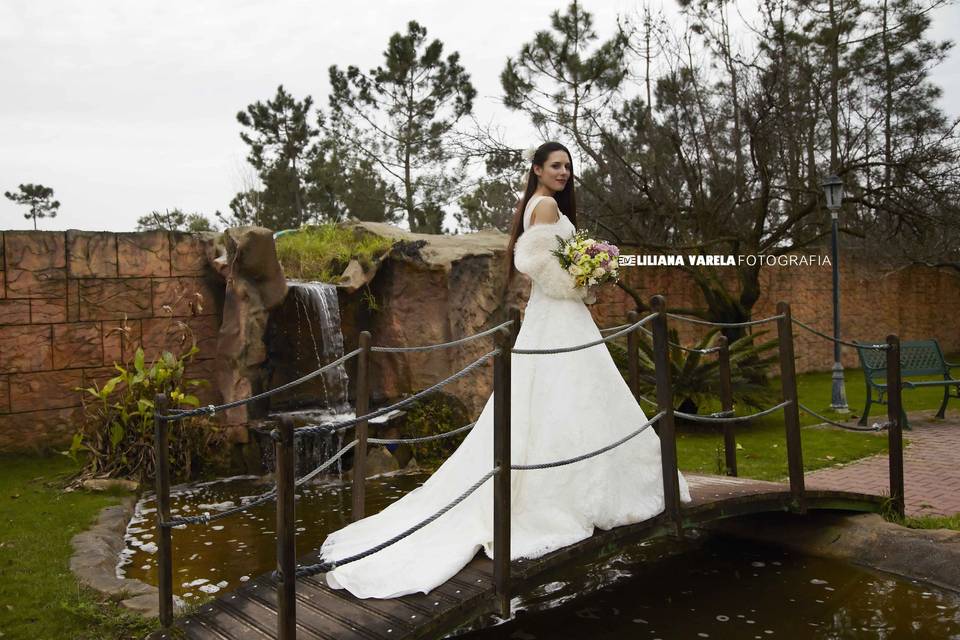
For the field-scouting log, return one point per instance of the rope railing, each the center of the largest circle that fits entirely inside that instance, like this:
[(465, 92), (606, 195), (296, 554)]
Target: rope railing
[(212, 409), (326, 464), (436, 436), (442, 345), (672, 344), (578, 347), (878, 347), (729, 417), (652, 403), (272, 494), (683, 348), (321, 567), (586, 456), (346, 424), (207, 518), (616, 328), (849, 427), (263, 498), (745, 323)]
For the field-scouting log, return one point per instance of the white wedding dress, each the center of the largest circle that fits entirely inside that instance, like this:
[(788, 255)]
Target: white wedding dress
[(562, 405)]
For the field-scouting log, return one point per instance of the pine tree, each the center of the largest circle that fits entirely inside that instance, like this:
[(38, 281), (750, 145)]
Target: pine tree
[(174, 220), (399, 118), (281, 141), (38, 199)]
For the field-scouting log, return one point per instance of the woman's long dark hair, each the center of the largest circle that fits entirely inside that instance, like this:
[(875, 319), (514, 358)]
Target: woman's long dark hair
[(566, 200)]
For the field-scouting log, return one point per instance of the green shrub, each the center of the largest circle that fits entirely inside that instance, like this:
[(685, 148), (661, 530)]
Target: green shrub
[(117, 433), (696, 377), (322, 252), (435, 414)]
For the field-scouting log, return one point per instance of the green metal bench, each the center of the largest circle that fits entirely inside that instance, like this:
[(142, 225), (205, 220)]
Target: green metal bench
[(917, 358)]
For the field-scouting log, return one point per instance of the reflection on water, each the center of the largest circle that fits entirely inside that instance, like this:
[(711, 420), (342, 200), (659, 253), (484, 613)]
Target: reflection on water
[(208, 558), (706, 587), (726, 588)]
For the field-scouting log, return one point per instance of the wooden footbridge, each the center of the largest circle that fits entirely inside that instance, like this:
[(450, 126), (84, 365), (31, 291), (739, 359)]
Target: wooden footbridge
[(295, 601)]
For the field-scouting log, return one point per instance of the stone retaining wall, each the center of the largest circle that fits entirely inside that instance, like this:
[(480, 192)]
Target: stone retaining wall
[(64, 298)]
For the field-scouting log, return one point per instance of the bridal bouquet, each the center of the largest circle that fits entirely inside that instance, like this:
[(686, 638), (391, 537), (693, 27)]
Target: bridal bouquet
[(590, 261)]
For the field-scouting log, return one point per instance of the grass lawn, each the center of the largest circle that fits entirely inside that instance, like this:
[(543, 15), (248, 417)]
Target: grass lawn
[(39, 597), (763, 454), (931, 522)]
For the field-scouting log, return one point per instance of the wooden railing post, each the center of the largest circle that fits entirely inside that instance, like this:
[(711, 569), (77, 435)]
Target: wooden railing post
[(667, 431), (362, 407), (633, 356), (791, 412), (286, 532), (726, 403), (502, 459), (161, 429), (895, 430)]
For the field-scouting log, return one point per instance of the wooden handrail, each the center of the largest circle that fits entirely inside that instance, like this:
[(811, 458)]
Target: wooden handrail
[(726, 404), (502, 460), (362, 407), (161, 445), (633, 357), (791, 412), (286, 532), (667, 430), (895, 430)]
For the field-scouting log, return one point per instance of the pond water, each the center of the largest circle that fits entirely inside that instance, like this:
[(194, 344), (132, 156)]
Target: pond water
[(209, 558), (707, 586), (722, 587)]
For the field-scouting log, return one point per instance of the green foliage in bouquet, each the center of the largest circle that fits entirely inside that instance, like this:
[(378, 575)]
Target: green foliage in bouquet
[(696, 377), (117, 434)]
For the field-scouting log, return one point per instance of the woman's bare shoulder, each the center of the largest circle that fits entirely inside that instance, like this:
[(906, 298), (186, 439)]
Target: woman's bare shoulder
[(545, 211)]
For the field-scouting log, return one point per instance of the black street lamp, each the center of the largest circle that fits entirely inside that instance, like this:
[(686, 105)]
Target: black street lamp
[(833, 192)]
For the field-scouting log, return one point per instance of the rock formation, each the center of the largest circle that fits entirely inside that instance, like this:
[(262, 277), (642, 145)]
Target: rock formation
[(247, 259), (429, 289)]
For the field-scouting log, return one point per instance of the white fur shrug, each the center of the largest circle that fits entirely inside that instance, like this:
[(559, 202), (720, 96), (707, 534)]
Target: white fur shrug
[(531, 255)]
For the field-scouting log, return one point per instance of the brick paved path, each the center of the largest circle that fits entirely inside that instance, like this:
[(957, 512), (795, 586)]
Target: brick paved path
[(931, 472)]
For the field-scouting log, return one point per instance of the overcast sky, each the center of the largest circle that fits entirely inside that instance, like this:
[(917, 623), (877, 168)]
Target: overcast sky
[(124, 107)]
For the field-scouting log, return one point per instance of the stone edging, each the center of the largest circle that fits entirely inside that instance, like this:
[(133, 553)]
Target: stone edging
[(928, 555), (95, 555)]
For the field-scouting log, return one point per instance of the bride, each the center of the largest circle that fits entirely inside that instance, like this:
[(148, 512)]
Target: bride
[(562, 405)]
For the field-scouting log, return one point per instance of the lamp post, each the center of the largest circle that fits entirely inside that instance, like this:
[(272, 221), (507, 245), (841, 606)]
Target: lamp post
[(833, 192)]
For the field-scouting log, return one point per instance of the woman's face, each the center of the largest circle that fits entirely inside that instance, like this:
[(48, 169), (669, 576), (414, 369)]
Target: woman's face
[(555, 172)]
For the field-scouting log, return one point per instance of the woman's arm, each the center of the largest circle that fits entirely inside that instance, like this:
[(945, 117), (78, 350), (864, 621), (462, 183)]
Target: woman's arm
[(532, 256)]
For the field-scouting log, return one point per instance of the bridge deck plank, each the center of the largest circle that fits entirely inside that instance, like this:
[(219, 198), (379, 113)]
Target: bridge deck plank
[(324, 613)]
